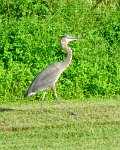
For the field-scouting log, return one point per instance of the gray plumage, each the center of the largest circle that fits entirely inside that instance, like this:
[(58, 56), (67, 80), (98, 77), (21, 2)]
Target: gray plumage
[(45, 79), (49, 76)]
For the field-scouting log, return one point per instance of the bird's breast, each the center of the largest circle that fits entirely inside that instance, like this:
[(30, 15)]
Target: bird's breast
[(57, 69)]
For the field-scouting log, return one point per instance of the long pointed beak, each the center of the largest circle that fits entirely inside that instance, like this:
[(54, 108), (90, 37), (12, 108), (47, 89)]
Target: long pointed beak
[(76, 38)]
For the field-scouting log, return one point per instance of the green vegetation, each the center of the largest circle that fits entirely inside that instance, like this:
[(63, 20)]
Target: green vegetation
[(97, 127), (30, 32)]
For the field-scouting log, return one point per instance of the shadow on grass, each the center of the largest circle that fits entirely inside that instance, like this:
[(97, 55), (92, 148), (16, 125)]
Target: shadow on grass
[(2, 110), (6, 109)]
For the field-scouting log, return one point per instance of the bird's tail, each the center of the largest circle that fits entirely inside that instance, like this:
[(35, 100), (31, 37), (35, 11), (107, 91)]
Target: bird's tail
[(26, 94)]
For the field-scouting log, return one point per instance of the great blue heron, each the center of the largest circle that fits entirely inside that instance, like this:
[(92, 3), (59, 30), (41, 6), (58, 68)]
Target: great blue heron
[(49, 76)]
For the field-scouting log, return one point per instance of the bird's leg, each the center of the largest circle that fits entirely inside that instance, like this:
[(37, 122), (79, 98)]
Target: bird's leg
[(43, 97), (58, 101)]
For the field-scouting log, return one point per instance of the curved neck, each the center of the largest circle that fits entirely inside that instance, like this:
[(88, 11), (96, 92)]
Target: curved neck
[(68, 59)]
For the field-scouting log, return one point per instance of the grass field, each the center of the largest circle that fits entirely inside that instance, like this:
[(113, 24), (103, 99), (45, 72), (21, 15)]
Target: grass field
[(30, 32), (96, 127)]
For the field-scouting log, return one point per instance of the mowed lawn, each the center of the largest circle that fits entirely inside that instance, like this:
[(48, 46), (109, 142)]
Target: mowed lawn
[(96, 127)]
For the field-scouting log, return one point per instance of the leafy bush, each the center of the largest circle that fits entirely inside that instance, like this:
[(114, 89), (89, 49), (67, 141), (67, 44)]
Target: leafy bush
[(30, 32)]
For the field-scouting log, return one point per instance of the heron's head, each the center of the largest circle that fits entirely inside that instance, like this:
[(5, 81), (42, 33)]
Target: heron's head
[(66, 39)]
